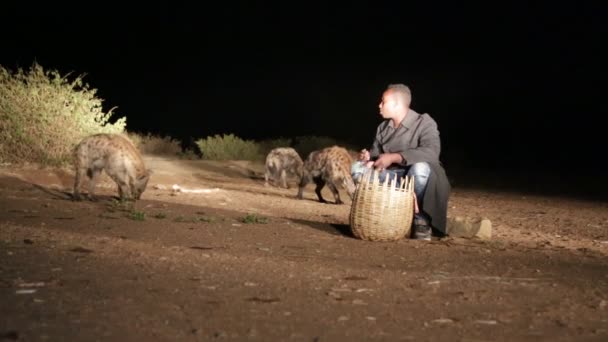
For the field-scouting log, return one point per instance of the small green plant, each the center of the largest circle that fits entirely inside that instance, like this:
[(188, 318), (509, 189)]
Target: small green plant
[(180, 219), (184, 219), (120, 205), (253, 218), (159, 216), (137, 215), (207, 219), (228, 147), (203, 217)]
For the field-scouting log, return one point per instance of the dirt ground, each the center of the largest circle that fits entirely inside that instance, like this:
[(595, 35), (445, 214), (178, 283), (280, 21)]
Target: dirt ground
[(234, 260)]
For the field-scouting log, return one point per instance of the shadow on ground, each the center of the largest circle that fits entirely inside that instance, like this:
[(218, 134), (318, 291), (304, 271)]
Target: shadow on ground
[(331, 228)]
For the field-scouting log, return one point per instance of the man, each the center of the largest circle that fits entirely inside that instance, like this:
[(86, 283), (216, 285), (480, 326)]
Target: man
[(408, 143)]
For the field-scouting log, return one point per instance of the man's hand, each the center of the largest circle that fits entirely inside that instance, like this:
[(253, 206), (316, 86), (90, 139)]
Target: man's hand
[(364, 155), (386, 159)]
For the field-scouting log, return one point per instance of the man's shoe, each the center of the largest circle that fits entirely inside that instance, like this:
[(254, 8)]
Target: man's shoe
[(422, 232)]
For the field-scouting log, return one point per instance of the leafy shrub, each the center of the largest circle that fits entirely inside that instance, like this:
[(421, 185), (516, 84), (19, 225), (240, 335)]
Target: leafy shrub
[(267, 145), (306, 144), (231, 147), (189, 153), (43, 115), (228, 147)]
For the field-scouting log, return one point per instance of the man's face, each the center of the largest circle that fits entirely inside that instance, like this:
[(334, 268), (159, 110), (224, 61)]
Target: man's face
[(387, 105)]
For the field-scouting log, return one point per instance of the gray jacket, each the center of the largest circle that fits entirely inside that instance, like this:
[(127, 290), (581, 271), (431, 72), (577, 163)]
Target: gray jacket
[(417, 140)]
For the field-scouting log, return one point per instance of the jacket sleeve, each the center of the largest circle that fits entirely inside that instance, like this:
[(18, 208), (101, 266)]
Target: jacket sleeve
[(429, 146), (375, 150)]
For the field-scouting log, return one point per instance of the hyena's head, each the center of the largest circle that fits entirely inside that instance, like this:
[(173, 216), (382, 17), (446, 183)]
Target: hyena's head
[(313, 163), (349, 185), (141, 183), (339, 162)]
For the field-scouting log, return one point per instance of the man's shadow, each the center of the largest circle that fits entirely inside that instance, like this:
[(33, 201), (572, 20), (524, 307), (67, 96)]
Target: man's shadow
[(331, 228)]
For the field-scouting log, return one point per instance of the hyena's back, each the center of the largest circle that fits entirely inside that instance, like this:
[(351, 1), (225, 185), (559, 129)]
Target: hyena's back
[(115, 154), (329, 166), (281, 161)]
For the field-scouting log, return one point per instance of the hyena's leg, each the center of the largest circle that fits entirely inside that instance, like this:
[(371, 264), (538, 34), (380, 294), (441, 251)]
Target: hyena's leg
[(121, 179), (124, 191), (303, 182), (270, 177), (80, 174), (320, 184), (335, 191), (266, 176), (284, 179), (131, 186), (93, 175), (124, 188), (121, 194)]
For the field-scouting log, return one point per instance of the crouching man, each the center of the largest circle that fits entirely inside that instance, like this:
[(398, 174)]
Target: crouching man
[(408, 143)]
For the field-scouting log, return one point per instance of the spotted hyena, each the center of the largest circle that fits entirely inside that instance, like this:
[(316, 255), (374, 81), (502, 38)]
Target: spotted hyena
[(280, 162), (116, 155), (331, 166)]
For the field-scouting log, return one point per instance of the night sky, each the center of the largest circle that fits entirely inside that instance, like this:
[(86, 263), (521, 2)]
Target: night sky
[(516, 89)]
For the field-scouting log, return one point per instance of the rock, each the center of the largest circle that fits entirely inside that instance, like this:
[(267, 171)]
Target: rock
[(469, 227), (443, 320), (485, 229)]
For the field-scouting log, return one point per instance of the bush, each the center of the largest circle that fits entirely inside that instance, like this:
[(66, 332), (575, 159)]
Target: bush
[(189, 154), (267, 145), (156, 145), (228, 147), (231, 147), (306, 144), (43, 115)]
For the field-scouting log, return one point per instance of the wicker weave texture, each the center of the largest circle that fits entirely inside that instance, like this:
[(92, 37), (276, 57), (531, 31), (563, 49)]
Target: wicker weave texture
[(382, 211)]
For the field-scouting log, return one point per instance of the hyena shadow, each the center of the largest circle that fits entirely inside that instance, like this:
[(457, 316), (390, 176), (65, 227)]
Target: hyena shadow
[(331, 228), (59, 194), (68, 194), (57, 190)]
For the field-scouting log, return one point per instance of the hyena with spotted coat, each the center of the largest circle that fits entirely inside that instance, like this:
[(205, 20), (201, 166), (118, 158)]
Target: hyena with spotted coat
[(116, 155), (280, 162), (329, 166)]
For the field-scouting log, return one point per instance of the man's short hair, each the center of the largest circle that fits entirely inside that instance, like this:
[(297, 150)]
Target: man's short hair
[(404, 92)]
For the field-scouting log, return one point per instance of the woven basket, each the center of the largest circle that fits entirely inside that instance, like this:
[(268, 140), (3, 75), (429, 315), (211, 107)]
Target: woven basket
[(382, 211)]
